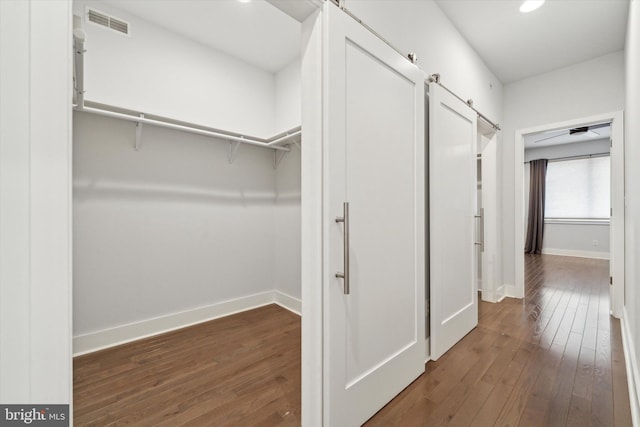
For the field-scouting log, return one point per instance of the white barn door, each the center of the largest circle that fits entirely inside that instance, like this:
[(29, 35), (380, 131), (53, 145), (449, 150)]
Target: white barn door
[(453, 207), (374, 253)]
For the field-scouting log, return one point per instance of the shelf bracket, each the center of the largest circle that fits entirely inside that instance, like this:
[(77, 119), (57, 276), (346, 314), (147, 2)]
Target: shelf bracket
[(233, 151), (297, 145), (277, 157), (139, 134)]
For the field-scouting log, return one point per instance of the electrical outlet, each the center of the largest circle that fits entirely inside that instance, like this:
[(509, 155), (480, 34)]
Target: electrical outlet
[(595, 242)]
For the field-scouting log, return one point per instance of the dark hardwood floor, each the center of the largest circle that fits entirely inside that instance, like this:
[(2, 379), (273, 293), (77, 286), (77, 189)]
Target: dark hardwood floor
[(240, 370), (552, 359)]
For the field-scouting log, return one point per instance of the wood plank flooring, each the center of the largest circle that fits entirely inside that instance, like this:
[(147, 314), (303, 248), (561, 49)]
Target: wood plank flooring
[(240, 370), (552, 359)]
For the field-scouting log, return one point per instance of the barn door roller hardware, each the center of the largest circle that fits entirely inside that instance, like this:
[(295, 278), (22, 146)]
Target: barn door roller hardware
[(412, 57), (435, 78)]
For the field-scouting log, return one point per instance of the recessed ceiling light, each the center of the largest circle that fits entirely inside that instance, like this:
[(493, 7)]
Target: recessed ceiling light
[(530, 5), (244, 1)]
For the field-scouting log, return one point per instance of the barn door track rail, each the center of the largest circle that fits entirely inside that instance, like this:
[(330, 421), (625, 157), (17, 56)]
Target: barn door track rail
[(435, 78)]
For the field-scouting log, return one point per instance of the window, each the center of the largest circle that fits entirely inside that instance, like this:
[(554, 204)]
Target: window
[(578, 189)]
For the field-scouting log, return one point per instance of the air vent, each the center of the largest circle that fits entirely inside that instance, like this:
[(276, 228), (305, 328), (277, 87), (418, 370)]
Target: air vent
[(107, 21)]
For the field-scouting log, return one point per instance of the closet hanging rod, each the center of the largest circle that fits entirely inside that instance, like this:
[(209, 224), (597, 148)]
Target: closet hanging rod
[(79, 38), (215, 134), (275, 141), (435, 78)]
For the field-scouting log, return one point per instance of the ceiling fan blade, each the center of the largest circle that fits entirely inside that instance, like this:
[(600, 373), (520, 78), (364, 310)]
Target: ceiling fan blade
[(549, 137)]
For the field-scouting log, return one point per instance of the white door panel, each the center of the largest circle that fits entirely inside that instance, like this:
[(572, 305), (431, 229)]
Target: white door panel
[(375, 144), (452, 172), (373, 193)]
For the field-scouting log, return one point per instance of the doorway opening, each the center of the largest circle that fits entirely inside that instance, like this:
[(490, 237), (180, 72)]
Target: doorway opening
[(540, 140), (186, 204)]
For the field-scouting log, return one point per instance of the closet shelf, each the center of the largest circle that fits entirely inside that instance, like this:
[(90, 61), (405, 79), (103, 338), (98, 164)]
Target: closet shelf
[(276, 142)]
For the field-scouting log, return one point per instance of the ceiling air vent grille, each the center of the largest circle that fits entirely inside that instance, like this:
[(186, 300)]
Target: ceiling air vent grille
[(107, 21)]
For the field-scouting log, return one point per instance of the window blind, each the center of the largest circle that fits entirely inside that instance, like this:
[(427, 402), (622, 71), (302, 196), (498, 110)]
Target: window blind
[(578, 188)]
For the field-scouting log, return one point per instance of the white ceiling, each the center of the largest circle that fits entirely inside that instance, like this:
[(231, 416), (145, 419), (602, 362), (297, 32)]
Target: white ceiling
[(517, 45), (558, 137), (255, 32)]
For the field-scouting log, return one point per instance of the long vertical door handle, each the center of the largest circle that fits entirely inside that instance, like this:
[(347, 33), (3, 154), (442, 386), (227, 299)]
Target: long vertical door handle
[(480, 231), (345, 219)]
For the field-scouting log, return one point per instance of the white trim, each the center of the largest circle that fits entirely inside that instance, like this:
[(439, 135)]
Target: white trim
[(311, 221), (577, 221), (99, 340), (35, 202), (510, 291), (575, 253), (292, 304), (617, 180), (494, 296), (633, 378)]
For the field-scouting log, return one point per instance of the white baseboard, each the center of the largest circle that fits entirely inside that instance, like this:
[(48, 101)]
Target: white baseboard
[(575, 253), (494, 296), (509, 291), (488, 296), (287, 301), (633, 379), (88, 343)]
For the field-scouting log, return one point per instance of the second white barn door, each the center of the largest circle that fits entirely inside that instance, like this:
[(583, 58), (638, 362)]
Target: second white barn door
[(374, 184), (453, 222)]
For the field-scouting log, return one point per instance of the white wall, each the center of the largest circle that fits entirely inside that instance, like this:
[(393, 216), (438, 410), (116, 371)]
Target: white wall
[(288, 97), (569, 239), (35, 202), (582, 90), (287, 225), (170, 228), (159, 72), (576, 240), (631, 321), (287, 215)]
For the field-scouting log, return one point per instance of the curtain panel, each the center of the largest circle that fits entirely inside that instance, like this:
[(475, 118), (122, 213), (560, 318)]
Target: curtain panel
[(535, 220)]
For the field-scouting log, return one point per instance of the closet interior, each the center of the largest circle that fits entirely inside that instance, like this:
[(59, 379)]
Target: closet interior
[(488, 268), (186, 165)]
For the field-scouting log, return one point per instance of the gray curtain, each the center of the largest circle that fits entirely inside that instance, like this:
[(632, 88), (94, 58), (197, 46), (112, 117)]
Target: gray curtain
[(535, 221)]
